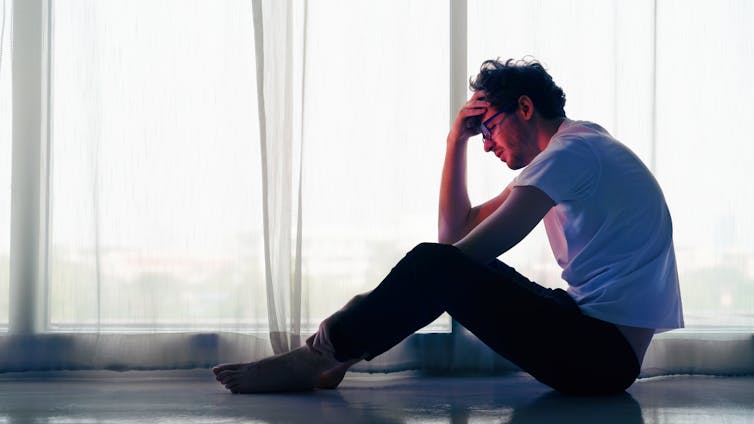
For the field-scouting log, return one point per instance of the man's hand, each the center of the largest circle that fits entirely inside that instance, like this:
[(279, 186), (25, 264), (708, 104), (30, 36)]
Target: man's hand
[(469, 118), (454, 198)]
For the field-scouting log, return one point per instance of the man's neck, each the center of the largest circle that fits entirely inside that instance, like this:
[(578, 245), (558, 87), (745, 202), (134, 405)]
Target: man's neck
[(547, 130)]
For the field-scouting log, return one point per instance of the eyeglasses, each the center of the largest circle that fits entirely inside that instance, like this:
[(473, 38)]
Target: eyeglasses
[(486, 130)]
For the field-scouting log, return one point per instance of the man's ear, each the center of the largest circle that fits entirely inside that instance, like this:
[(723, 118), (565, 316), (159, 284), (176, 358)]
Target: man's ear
[(526, 106)]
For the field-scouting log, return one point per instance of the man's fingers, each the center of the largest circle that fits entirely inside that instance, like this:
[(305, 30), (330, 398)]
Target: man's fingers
[(468, 118), (478, 103), (474, 109), (478, 95)]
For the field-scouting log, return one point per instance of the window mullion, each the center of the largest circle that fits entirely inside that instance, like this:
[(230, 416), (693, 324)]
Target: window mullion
[(29, 173), (457, 76)]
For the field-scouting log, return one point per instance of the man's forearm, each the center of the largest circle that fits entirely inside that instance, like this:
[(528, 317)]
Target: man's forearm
[(454, 198)]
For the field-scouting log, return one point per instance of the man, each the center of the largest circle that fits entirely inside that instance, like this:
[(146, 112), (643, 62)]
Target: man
[(608, 225)]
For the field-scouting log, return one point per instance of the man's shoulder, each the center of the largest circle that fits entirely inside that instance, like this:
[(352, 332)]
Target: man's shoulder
[(572, 142), (582, 127), (582, 138), (580, 131)]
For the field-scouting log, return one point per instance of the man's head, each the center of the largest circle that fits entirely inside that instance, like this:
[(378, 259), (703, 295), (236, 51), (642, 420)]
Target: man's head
[(525, 109), (505, 82)]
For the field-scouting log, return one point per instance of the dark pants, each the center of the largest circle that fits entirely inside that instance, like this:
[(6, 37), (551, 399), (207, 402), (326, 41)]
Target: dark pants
[(539, 329)]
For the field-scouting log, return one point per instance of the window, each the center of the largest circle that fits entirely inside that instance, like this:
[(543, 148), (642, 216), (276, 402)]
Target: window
[(704, 102), (156, 191), (375, 124), (156, 219)]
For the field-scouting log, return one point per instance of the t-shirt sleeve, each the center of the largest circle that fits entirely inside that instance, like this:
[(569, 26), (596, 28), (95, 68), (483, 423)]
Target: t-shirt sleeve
[(567, 170)]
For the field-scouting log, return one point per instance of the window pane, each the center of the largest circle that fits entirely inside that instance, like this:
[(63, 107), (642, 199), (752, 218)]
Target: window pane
[(156, 215), (376, 110), (704, 153)]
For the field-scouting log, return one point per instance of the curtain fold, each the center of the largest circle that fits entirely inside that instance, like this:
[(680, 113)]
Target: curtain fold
[(276, 56)]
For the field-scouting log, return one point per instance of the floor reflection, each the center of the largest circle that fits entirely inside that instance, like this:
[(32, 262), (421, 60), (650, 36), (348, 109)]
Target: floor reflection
[(554, 407), (500, 400), (333, 407)]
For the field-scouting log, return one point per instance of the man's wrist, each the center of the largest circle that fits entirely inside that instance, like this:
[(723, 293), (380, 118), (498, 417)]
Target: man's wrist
[(455, 139)]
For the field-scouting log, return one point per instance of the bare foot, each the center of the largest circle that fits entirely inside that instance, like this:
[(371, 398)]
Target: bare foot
[(331, 378), (296, 370)]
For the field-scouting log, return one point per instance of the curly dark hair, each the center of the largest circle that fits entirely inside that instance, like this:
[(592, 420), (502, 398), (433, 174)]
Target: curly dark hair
[(505, 82)]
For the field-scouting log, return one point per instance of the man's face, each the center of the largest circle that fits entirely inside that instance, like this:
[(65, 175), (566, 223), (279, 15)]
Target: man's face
[(509, 138)]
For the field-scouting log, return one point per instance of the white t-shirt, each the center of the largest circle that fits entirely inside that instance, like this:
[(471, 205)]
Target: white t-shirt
[(610, 229)]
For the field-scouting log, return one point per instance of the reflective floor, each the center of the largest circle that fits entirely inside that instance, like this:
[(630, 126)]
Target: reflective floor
[(194, 397)]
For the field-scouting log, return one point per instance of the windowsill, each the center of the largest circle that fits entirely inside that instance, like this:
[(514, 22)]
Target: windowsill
[(710, 330), (258, 330), (718, 350)]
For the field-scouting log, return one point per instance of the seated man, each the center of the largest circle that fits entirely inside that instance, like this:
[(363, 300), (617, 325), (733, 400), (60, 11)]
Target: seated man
[(608, 225)]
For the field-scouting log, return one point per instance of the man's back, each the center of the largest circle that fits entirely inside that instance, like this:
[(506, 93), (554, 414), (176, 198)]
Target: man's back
[(610, 230)]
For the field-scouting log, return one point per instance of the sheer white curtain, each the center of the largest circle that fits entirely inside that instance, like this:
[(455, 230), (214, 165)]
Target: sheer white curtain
[(375, 121), (223, 175), (5, 159), (343, 192), (156, 222), (705, 98)]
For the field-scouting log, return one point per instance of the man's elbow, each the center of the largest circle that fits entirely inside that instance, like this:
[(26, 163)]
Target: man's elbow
[(444, 239), (447, 236), (450, 234)]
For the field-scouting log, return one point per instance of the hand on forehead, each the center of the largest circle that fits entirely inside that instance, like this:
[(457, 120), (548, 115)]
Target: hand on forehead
[(479, 95)]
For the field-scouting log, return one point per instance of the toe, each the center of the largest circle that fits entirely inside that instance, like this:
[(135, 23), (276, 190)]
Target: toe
[(223, 367), (232, 383), (225, 376)]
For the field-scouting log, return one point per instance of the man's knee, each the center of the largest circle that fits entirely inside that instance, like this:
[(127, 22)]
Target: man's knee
[(355, 300), (433, 251), (433, 264)]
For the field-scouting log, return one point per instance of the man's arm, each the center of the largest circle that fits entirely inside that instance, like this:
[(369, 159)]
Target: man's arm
[(507, 225), (455, 210), (454, 197), (475, 216)]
